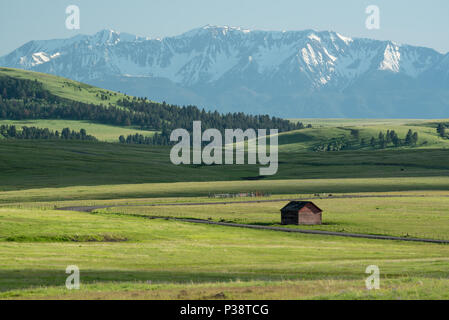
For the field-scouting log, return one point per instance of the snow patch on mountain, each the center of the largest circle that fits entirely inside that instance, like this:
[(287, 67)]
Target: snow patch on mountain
[(392, 58), (346, 40), (208, 54)]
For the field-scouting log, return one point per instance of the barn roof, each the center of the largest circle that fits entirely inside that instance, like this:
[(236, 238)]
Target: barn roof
[(298, 205)]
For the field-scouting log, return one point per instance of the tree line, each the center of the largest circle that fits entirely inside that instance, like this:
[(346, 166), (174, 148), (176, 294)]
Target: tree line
[(157, 139), (22, 99), (441, 130), (383, 140), (391, 138), (33, 133)]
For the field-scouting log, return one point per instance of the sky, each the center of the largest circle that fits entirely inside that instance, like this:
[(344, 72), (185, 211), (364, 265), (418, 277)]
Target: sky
[(423, 23)]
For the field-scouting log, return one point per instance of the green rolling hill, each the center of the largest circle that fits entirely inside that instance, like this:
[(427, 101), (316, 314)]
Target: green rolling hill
[(323, 131), (65, 88), (40, 163), (306, 139)]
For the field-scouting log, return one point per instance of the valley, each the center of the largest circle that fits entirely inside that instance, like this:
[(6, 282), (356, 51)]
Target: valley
[(131, 245)]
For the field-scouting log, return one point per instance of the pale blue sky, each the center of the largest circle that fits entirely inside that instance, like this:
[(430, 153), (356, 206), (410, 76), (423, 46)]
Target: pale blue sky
[(424, 23)]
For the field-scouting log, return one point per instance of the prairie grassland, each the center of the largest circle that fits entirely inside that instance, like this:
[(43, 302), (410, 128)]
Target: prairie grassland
[(46, 205), (125, 256), (409, 288), (84, 195), (43, 164), (120, 255), (424, 217)]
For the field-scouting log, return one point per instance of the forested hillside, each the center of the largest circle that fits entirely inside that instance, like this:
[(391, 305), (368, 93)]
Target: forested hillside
[(23, 99)]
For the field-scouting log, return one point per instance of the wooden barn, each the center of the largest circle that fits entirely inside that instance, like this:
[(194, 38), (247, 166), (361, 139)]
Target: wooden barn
[(301, 213)]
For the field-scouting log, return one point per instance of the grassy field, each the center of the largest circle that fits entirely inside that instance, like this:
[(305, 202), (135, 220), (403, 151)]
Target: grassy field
[(114, 249), (124, 255), (392, 289), (29, 165), (102, 132), (305, 140), (127, 257), (403, 217), (193, 189)]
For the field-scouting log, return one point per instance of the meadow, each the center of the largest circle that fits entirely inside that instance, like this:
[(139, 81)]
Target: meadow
[(379, 214), (129, 251), (127, 257), (124, 255), (104, 133), (65, 88), (30, 165)]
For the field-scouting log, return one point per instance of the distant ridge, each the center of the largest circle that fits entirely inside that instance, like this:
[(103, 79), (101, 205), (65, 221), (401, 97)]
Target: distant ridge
[(284, 73)]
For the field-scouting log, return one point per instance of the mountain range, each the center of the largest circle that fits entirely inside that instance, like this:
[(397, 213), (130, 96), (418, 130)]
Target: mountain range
[(294, 74)]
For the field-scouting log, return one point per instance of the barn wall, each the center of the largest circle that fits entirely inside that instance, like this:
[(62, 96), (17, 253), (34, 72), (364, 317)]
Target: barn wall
[(307, 217), (289, 217)]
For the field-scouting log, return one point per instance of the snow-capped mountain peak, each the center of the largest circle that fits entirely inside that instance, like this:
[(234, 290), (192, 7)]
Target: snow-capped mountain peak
[(209, 52), (111, 37), (261, 63)]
